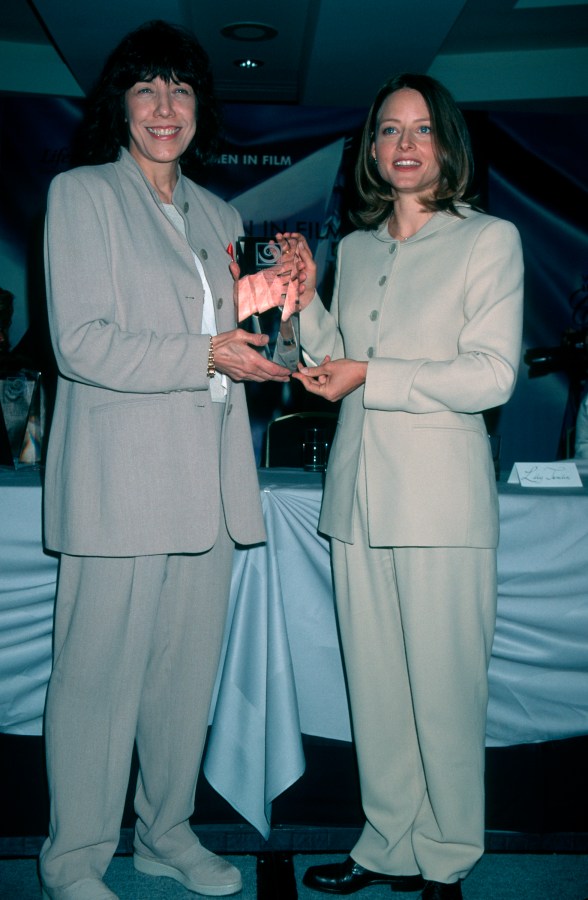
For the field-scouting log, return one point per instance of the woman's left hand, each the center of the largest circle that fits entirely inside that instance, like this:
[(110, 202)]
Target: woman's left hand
[(333, 379), (305, 272)]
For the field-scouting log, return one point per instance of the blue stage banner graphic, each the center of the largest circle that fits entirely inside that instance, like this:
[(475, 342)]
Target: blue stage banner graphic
[(288, 169), (284, 168), (291, 168)]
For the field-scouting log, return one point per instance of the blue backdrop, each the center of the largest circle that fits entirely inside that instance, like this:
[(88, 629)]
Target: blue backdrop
[(291, 168)]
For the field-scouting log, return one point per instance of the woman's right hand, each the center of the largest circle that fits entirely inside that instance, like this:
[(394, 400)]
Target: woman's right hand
[(236, 356), (332, 379)]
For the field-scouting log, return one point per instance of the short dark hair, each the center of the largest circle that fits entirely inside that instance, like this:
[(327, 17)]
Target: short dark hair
[(452, 149), (155, 49)]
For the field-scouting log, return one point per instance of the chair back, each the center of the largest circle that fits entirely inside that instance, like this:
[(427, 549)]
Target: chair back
[(285, 436)]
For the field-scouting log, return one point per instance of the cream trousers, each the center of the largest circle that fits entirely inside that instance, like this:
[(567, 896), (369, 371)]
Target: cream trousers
[(416, 628)]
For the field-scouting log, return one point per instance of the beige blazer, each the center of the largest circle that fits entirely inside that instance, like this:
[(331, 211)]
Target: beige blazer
[(439, 320), (133, 467)]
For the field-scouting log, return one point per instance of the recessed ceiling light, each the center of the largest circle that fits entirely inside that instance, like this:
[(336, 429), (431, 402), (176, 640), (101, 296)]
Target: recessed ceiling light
[(249, 31), (248, 63)]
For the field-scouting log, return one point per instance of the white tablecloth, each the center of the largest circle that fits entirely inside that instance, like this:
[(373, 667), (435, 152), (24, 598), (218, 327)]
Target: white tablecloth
[(27, 595), (282, 674)]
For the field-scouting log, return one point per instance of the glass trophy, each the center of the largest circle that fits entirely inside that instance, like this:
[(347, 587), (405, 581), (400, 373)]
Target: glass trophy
[(266, 282), (21, 418)]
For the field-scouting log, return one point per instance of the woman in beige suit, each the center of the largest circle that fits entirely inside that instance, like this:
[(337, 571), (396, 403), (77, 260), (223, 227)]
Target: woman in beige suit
[(150, 475), (423, 334)]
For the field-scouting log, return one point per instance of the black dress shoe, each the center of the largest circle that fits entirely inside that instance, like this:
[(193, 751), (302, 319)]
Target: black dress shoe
[(348, 877), (436, 890)]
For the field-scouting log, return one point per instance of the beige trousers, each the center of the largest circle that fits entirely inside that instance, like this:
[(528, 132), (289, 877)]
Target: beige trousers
[(136, 650), (416, 628)]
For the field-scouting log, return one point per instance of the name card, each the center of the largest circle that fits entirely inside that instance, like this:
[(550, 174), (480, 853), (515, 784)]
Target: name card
[(545, 474)]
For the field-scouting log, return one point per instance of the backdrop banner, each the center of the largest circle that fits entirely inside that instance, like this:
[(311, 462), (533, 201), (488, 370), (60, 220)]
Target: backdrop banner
[(291, 168)]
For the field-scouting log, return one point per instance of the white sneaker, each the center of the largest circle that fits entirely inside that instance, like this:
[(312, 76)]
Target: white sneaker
[(197, 870)]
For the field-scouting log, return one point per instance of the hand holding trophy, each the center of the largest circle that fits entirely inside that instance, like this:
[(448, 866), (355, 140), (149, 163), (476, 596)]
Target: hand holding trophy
[(268, 292)]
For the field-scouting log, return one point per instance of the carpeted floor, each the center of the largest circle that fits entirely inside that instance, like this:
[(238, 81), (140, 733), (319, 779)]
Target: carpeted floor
[(497, 877)]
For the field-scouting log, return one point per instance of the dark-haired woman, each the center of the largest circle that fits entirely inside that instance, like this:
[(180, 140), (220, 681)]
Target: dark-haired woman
[(150, 475), (423, 334)]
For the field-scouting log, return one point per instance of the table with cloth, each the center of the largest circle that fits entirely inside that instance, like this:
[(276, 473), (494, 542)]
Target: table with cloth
[(281, 673)]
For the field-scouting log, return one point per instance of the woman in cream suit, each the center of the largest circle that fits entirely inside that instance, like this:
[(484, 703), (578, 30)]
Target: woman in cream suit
[(150, 475), (423, 334)]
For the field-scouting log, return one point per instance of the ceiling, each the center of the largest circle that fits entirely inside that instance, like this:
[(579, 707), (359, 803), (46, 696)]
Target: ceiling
[(513, 54)]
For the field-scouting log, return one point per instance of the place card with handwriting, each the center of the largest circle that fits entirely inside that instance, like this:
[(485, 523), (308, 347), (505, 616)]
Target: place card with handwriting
[(545, 474)]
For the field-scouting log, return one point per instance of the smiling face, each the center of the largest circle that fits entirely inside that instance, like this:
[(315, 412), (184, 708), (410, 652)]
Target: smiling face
[(404, 145), (162, 122)]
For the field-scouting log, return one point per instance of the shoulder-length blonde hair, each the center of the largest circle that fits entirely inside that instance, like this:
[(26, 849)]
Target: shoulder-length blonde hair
[(452, 150)]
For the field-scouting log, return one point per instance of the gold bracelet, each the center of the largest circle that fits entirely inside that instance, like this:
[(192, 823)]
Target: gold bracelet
[(210, 368)]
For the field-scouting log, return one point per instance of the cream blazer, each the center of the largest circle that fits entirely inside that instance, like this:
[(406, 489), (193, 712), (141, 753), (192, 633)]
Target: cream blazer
[(439, 320), (133, 467)]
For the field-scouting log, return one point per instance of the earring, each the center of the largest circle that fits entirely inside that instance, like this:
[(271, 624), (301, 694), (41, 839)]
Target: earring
[(375, 159)]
